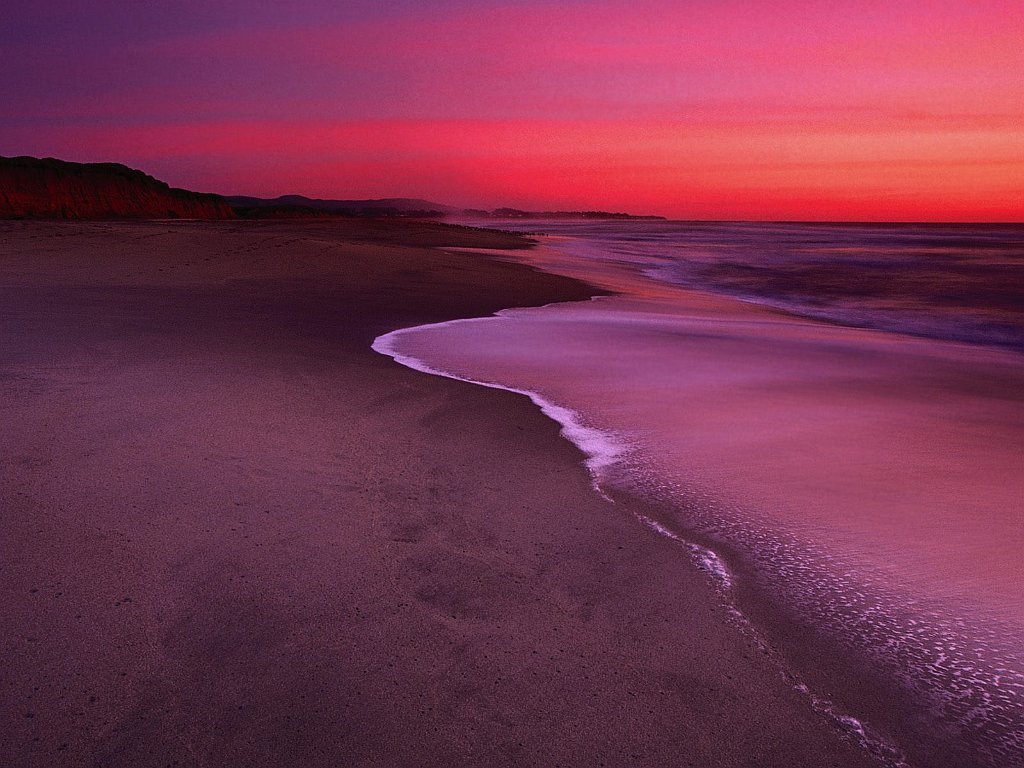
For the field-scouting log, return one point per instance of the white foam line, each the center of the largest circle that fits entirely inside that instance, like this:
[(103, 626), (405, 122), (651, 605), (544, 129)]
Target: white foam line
[(706, 560), (709, 561), (601, 449)]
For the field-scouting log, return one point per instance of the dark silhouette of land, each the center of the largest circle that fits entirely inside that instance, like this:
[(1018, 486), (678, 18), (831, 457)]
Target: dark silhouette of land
[(293, 206), (47, 188), (33, 188)]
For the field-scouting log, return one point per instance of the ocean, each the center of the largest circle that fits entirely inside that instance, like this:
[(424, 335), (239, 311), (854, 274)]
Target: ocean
[(829, 419), (963, 282)]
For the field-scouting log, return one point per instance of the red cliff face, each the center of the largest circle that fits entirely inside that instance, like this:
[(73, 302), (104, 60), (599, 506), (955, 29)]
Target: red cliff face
[(53, 189)]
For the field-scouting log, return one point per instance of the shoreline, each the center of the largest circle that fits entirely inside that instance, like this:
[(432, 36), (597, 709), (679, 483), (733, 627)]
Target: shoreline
[(237, 535), (601, 450), (784, 622)]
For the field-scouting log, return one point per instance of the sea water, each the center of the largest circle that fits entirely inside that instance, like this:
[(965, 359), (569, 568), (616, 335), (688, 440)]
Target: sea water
[(953, 281), (830, 419)]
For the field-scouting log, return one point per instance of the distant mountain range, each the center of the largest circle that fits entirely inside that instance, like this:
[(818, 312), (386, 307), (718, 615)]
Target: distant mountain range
[(34, 188), (403, 206), (515, 213), (389, 206)]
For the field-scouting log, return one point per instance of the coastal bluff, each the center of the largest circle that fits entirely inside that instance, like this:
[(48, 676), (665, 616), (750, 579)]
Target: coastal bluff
[(34, 188)]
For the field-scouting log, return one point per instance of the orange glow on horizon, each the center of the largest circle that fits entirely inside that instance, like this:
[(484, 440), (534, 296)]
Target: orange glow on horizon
[(670, 168), (723, 110)]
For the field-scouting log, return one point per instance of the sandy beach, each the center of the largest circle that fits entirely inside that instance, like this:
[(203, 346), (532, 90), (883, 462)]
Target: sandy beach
[(235, 535)]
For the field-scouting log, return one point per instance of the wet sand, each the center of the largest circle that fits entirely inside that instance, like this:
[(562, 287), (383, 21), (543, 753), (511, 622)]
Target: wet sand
[(235, 535), (865, 486)]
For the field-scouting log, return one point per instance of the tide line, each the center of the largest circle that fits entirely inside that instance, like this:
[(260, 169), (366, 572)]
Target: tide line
[(601, 449)]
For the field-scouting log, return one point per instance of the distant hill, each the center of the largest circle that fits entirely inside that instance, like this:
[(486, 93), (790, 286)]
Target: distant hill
[(515, 213), (288, 206), (33, 188), (291, 205)]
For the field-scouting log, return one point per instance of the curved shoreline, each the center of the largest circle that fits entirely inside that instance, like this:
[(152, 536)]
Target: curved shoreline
[(602, 451), (600, 448), (610, 280)]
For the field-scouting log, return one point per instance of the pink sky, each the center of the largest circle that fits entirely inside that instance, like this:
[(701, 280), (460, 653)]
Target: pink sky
[(693, 110)]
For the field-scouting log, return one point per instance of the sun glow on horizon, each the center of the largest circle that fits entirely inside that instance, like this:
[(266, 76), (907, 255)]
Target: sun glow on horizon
[(709, 110)]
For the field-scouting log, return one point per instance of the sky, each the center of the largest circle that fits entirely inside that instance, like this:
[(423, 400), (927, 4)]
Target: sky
[(852, 110)]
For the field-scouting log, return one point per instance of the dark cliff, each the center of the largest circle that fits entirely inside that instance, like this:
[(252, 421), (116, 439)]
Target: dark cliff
[(31, 188)]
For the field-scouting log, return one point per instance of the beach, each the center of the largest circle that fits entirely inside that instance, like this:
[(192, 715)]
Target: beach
[(236, 535), (859, 488)]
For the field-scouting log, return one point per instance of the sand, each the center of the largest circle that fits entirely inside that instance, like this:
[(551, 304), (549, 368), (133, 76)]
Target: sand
[(234, 535)]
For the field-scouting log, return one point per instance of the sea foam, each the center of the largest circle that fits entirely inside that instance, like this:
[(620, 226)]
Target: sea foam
[(602, 449)]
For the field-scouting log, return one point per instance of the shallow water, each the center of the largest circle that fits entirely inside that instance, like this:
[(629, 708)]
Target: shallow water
[(954, 281), (870, 483)]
